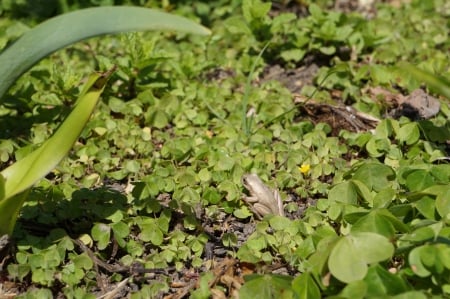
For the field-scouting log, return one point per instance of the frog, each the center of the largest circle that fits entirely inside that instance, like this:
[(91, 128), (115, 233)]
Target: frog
[(261, 199)]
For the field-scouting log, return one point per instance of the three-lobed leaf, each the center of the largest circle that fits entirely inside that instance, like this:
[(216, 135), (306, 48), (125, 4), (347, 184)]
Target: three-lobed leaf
[(349, 257)]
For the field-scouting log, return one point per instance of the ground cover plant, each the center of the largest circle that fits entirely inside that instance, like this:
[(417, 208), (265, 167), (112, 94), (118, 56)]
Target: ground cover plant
[(39, 42), (341, 106)]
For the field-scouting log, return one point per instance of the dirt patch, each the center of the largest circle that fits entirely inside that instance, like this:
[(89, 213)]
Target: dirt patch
[(292, 79), (417, 105)]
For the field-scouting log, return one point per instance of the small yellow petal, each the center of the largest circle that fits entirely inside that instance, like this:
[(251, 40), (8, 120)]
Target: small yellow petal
[(304, 168)]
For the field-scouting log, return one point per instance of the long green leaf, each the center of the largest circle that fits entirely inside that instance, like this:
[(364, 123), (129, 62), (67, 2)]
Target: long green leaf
[(23, 174), (9, 211), (66, 29), (16, 180)]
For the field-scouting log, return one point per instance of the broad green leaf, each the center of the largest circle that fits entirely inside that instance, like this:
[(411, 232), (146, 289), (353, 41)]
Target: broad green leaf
[(236, 25), (120, 229), (150, 232), (398, 225), (358, 221), (203, 290), (444, 254), (426, 206), (280, 222), (83, 261), (355, 290), (344, 192), (266, 287), (420, 235), (19, 271), (384, 129), (363, 191), (102, 234), (293, 54), (419, 180), (441, 172), (9, 210), (255, 9), (384, 198), (319, 258), (345, 263), (72, 27), (376, 176), (25, 173), (376, 223), (382, 282), (305, 287), (443, 202), (435, 190), (158, 118), (372, 247), (349, 258), (429, 255), (409, 133), (335, 210), (377, 146), (411, 295), (416, 264)]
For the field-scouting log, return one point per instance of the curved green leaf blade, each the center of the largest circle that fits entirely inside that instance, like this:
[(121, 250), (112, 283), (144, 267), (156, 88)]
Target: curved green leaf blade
[(9, 209), (23, 174), (69, 28)]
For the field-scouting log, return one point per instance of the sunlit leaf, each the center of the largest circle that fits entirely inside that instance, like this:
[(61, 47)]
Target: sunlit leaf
[(443, 202), (382, 282), (416, 264), (23, 174), (349, 258), (376, 176), (305, 287), (345, 263), (344, 192), (266, 287)]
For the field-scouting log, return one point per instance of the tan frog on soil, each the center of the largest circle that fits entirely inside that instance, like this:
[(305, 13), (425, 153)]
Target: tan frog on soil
[(262, 200)]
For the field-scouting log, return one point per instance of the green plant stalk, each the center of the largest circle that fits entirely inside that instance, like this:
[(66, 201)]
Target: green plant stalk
[(247, 123), (21, 176), (72, 27)]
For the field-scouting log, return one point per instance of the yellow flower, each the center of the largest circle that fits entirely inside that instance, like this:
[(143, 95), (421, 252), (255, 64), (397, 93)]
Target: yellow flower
[(304, 168)]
